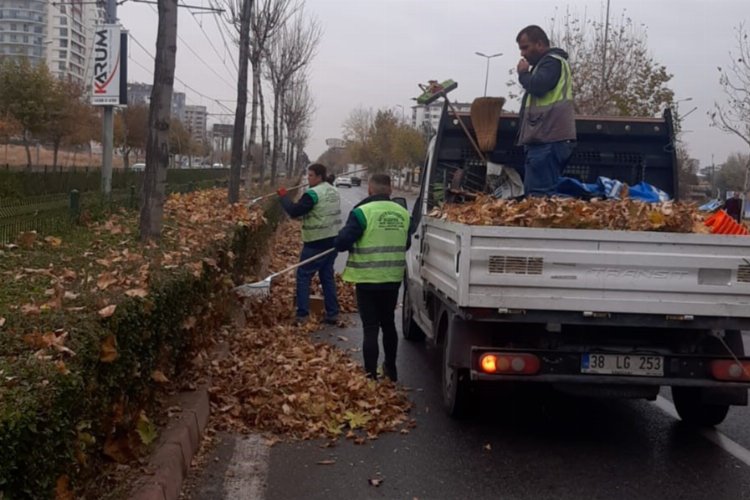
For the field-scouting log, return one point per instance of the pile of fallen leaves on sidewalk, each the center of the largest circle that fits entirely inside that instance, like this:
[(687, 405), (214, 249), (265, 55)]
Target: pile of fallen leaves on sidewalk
[(277, 379), (113, 265), (572, 213)]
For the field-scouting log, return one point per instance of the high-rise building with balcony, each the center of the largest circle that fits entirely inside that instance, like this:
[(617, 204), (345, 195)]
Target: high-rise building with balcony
[(23, 29), (58, 34)]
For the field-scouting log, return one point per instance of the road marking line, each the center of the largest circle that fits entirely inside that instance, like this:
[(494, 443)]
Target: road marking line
[(248, 470), (722, 441)]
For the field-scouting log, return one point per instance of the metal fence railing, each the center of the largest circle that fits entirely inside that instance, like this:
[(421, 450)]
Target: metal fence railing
[(51, 214)]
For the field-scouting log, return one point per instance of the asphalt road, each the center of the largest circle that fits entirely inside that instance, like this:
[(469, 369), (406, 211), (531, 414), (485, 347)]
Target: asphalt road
[(530, 443)]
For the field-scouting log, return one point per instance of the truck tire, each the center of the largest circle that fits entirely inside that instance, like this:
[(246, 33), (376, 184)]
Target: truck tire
[(409, 328), (690, 408), (458, 394)]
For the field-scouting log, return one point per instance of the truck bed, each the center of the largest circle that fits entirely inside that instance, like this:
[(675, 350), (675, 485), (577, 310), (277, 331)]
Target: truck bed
[(588, 271)]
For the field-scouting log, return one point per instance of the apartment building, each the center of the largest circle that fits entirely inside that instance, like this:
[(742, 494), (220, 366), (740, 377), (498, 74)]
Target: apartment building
[(196, 122), (58, 34)]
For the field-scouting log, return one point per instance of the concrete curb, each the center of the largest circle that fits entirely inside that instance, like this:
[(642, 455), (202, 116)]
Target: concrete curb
[(177, 445)]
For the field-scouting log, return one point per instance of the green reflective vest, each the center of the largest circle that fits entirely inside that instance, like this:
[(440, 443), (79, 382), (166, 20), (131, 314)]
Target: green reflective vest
[(324, 220), (550, 118), (379, 256)]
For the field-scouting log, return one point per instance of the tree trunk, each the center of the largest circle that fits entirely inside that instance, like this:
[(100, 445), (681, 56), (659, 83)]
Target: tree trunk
[(275, 149), (238, 138), (160, 109), (251, 160), (28, 150), (55, 150), (263, 137)]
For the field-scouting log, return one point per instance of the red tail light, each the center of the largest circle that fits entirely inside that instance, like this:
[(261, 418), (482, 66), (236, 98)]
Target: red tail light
[(727, 369), (505, 363)]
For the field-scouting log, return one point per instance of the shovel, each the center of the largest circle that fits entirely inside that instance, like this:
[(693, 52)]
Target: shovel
[(261, 289)]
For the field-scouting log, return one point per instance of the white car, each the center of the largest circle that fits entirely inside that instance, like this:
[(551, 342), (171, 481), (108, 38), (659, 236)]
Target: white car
[(343, 181), (138, 167)]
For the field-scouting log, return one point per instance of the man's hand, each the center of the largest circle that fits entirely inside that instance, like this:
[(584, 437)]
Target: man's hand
[(523, 66), (281, 191)]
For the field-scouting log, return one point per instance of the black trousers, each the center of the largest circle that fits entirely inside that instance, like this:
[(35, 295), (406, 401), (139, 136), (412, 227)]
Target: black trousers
[(377, 308)]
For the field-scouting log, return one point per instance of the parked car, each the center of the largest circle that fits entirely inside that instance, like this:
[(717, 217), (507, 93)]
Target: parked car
[(356, 181), (343, 181), (138, 167)]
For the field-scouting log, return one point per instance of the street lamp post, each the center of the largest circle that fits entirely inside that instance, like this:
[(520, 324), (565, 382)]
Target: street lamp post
[(487, 71)]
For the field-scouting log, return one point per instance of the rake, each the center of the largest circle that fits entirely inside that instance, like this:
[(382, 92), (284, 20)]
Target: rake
[(262, 288)]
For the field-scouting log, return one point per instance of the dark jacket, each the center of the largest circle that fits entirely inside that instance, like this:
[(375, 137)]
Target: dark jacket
[(551, 125), (300, 209), (353, 231)]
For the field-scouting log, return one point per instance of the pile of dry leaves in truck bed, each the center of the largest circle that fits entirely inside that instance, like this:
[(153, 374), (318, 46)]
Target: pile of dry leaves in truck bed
[(572, 213), (276, 378)]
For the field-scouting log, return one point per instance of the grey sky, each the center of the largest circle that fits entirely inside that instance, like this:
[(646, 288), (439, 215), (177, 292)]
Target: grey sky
[(374, 52)]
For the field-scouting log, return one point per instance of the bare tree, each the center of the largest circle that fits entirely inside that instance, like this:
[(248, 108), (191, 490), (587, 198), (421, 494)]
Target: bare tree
[(157, 146), (289, 53), (239, 13), (268, 16), (734, 116), (298, 110)]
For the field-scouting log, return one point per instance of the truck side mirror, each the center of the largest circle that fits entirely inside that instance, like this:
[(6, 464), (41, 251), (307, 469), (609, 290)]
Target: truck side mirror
[(400, 200)]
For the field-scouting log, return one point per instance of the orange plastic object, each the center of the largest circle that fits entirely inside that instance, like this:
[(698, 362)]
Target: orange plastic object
[(722, 223)]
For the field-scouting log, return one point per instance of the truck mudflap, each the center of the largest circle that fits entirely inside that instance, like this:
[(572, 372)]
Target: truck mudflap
[(611, 368)]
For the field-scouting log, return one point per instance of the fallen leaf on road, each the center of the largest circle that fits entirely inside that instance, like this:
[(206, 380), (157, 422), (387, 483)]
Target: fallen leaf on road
[(487, 447), (2, 321), (375, 481), (326, 462)]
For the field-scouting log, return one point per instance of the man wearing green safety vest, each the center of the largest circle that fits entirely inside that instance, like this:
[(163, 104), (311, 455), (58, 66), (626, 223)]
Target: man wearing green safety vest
[(320, 209), (547, 128), (376, 237)]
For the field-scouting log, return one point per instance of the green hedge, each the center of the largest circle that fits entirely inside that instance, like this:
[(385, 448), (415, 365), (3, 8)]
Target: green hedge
[(53, 424), (15, 184)]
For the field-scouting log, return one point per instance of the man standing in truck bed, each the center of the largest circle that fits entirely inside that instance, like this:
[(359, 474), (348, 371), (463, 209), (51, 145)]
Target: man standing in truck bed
[(547, 128)]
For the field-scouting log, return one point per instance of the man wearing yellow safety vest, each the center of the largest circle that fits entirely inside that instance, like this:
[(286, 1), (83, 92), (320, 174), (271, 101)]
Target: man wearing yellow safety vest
[(376, 237), (547, 129), (320, 209)]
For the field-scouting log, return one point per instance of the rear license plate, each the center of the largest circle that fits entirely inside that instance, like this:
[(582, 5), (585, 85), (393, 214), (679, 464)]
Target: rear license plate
[(623, 364)]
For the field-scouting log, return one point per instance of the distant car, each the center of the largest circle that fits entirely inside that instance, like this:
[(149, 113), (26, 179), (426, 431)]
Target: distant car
[(356, 181), (218, 165), (138, 167), (342, 181)]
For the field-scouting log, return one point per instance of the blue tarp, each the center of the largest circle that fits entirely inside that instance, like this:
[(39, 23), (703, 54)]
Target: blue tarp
[(607, 188)]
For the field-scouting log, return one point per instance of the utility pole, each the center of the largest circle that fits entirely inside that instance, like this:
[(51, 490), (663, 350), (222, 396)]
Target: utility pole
[(108, 122)]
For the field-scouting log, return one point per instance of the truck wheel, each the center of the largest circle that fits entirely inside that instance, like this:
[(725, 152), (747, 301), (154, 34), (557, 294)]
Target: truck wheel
[(693, 411), (409, 328), (458, 395)]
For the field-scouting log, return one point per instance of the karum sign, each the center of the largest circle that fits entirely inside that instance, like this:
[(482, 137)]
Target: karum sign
[(106, 84)]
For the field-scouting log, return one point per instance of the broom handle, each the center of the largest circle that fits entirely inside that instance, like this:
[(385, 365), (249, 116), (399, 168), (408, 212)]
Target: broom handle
[(466, 131), (302, 263)]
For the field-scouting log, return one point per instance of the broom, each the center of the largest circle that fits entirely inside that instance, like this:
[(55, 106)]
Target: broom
[(485, 117)]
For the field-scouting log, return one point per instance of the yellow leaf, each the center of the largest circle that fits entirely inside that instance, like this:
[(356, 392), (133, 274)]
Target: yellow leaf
[(158, 376), (2, 321), (108, 352), (106, 312), (53, 241), (105, 281)]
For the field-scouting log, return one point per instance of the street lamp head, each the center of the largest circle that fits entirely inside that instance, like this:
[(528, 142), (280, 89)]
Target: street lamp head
[(480, 54)]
